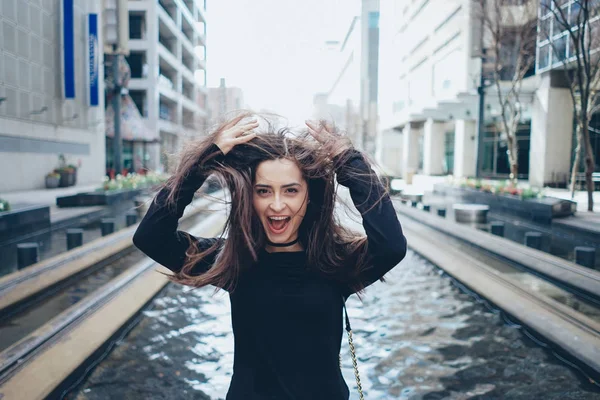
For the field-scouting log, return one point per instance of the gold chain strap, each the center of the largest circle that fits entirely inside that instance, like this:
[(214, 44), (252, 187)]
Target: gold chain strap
[(352, 354)]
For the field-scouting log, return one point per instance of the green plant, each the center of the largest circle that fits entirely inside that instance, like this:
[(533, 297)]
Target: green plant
[(53, 174), (531, 193), (62, 161), (503, 188), (4, 205), (132, 181)]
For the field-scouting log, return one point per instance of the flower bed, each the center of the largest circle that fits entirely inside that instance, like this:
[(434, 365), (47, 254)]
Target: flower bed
[(523, 202), (132, 181), (113, 190), (502, 188)]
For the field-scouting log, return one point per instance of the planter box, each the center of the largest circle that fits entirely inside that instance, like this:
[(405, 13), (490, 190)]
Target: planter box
[(22, 219), (539, 210), (99, 198), (52, 182), (67, 178)]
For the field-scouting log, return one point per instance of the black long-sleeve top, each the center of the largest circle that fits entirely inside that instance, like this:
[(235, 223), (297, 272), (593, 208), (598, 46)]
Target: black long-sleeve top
[(287, 321)]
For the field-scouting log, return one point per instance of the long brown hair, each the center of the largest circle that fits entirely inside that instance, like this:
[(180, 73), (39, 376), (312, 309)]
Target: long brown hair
[(331, 249)]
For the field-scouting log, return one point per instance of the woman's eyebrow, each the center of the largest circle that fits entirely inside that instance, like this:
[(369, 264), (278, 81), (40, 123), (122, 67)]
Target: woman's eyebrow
[(287, 185)]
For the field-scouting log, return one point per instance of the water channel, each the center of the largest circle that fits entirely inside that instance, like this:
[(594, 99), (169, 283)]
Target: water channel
[(418, 336)]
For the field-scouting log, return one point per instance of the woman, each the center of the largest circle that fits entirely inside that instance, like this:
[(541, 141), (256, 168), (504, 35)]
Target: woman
[(286, 262)]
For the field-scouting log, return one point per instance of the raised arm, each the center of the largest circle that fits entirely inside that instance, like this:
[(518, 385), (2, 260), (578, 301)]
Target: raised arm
[(157, 235), (386, 242)]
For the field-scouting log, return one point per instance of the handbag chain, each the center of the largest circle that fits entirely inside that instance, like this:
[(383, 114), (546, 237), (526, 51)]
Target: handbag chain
[(352, 352)]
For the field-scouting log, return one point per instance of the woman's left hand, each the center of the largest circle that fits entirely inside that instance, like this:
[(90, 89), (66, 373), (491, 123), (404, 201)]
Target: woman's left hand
[(333, 142)]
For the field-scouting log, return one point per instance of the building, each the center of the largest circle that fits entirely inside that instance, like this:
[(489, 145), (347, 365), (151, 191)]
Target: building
[(167, 58), (351, 100), (50, 98), (341, 103), (223, 100), (430, 87), (430, 99), (553, 94)]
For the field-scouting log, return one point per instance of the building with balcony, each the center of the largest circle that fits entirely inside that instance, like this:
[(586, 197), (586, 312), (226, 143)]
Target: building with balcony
[(51, 101), (167, 45)]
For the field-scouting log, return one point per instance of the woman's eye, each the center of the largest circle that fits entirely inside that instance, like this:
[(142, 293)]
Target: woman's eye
[(292, 190), (262, 191)]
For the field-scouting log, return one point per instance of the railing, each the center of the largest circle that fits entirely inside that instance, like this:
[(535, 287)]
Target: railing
[(580, 180)]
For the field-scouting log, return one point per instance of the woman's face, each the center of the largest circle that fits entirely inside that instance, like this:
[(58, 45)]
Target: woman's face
[(280, 199)]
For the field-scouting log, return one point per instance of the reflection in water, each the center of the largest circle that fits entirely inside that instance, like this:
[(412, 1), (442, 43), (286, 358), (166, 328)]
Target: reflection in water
[(417, 337)]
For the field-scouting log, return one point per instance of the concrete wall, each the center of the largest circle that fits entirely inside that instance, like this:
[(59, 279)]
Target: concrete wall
[(36, 122)]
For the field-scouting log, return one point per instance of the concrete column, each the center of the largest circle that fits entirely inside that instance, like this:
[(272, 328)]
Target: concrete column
[(391, 151), (410, 149), (551, 134), (465, 148), (152, 99), (433, 147)]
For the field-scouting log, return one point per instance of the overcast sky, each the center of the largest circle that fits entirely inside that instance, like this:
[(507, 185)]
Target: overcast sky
[(274, 50)]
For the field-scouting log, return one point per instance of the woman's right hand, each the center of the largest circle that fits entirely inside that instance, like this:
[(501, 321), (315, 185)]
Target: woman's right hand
[(233, 134)]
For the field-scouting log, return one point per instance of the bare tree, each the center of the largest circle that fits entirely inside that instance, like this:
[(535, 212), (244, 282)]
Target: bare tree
[(509, 28), (579, 26)]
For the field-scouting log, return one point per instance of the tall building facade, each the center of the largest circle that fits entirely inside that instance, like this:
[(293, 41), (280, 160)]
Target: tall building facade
[(222, 100), (352, 99), (51, 99), (430, 86), (431, 68), (167, 58), (341, 103)]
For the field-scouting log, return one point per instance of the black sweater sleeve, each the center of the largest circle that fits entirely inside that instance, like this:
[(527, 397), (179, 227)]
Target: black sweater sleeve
[(157, 235), (386, 243)]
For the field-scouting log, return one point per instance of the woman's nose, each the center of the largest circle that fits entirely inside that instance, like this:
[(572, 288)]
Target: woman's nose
[(277, 205)]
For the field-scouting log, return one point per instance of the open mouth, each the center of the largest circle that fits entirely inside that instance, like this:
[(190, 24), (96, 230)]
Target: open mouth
[(278, 224)]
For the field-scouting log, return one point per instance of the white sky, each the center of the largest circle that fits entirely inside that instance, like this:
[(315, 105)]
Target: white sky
[(274, 50)]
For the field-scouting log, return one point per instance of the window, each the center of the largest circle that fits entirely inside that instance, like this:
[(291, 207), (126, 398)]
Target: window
[(574, 15), (139, 98), (449, 153), (557, 26), (137, 26), (545, 26), (495, 157), (544, 56), (559, 51), (136, 61)]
